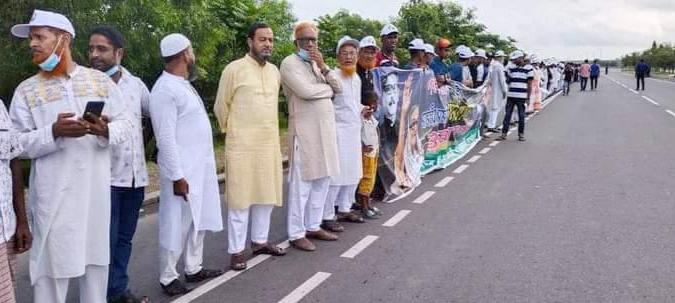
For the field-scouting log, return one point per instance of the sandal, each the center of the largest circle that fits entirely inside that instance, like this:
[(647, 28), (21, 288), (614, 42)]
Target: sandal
[(370, 214), (350, 217), (267, 249), (238, 262), (376, 210)]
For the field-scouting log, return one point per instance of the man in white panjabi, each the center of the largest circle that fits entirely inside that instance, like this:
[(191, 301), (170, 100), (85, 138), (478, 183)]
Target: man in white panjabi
[(309, 85), (69, 194), (348, 108), (189, 194), (247, 111), (499, 90)]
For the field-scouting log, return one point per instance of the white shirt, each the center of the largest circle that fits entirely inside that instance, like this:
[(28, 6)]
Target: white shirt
[(9, 149), (185, 144), (369, 134), (347, 106), (69, 192), (128, 159)]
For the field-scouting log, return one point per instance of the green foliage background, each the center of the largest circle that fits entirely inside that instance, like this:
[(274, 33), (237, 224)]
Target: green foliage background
[(218, 29), (660, 56)]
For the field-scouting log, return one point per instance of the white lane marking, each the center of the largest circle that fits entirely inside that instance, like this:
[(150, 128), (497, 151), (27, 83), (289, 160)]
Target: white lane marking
[(444, 182), (229, 275), (460, 169), (485, 150), (633, 91), (305, 288), (359, 247), (398, 217), (650, 100), (494, 143), (473, 159), (424, 197), (670, 112), (509, 132)]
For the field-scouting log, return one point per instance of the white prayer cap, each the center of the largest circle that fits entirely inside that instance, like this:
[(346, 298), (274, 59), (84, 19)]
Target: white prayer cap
[(388, 29), (368, 41), (416, 44), (464, 52), (516, 54), (429, 49), (500, 53), (44, 18), (346, 40), (173, 44), (481, 53), (461, 48)]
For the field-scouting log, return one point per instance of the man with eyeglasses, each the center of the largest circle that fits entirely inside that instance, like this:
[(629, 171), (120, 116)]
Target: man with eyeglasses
[(309, 85)]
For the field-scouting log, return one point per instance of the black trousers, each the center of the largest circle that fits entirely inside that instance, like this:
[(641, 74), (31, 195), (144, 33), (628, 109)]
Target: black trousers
[(640, 79), (594, 82), (510, 104), (584, 82)]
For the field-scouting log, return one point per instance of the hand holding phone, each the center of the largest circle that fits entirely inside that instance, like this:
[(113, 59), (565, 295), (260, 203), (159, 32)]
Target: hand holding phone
[(93, 109)]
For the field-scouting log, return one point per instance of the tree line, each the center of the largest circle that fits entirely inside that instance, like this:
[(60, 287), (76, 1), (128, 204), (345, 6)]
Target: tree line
[(218, 29), (661, 57)]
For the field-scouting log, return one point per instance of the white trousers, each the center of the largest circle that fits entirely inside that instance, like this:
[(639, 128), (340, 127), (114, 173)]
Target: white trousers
[(237, 226), (493, 115), (341, 195), (305, 200), (93, 287), (193, 246)]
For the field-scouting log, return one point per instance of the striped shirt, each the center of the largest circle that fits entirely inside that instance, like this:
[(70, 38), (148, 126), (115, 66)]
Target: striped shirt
[(517, 77)]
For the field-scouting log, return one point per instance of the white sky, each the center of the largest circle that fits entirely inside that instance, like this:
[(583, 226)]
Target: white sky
[(565, 29)]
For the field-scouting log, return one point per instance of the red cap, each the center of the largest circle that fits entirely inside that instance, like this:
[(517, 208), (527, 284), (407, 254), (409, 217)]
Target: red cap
[(443, 43)]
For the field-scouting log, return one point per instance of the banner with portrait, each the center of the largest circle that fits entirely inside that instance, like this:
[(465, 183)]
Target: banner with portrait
[(423, 127)]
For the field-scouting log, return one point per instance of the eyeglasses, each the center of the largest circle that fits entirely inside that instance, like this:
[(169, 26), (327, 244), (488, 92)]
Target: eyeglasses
[(307, 40), (348, 54)]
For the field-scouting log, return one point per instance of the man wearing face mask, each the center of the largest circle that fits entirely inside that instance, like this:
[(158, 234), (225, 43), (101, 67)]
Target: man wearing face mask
[(129, 174), (309, 85), (70, 152), (247, 111), (189, 194)]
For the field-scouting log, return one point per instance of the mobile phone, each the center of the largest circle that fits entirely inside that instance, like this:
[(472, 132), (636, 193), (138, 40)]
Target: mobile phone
[(95, 108)]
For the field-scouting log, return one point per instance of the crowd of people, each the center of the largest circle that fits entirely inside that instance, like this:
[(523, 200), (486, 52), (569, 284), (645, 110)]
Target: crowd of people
[(85, 129)]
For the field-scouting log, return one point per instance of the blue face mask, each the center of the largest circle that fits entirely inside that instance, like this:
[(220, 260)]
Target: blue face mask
[(52, 61), (304, 55), (112, 71)]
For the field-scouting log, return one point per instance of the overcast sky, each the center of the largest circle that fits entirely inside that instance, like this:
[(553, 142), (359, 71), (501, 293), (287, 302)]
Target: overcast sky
[(550, 28)]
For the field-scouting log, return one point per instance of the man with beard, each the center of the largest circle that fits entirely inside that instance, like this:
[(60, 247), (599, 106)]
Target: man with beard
[(246, 108), (70, 152), (309, 85), (389, 38), (348, 110), (129, 174), (189, 193)]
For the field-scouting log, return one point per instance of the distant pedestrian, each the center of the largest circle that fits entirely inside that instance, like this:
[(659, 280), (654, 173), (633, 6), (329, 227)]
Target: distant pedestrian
[(606, 69), (584, 74), (576, 72), (641, 70), (569, 75), (595, 73)]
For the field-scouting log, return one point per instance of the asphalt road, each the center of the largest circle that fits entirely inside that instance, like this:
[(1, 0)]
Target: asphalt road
[(581, 212)]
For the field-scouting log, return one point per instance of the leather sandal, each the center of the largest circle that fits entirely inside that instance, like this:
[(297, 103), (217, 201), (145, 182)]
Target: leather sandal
[(350, 217), (332, 226), (238, 261), (267, 249)]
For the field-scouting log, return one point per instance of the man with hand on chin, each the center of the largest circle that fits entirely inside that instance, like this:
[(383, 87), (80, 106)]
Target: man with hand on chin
[(70, 172), (309, 85)]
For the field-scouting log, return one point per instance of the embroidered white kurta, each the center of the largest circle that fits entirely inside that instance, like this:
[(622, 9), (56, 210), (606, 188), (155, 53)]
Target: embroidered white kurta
[(69, 194), (185, 144), (9, 149), (348, 109)]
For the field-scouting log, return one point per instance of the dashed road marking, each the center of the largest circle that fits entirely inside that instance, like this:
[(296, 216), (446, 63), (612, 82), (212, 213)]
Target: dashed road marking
[(670, 112), (460, 169), (444, 182), (473, 159), (305, 288), (633, 91), (424, 197), (485, 150), (494, 143), (650, 100), (359, 247), (398, 217)]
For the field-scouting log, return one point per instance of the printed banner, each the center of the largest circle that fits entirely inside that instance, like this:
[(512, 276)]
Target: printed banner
[(423, 127)]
